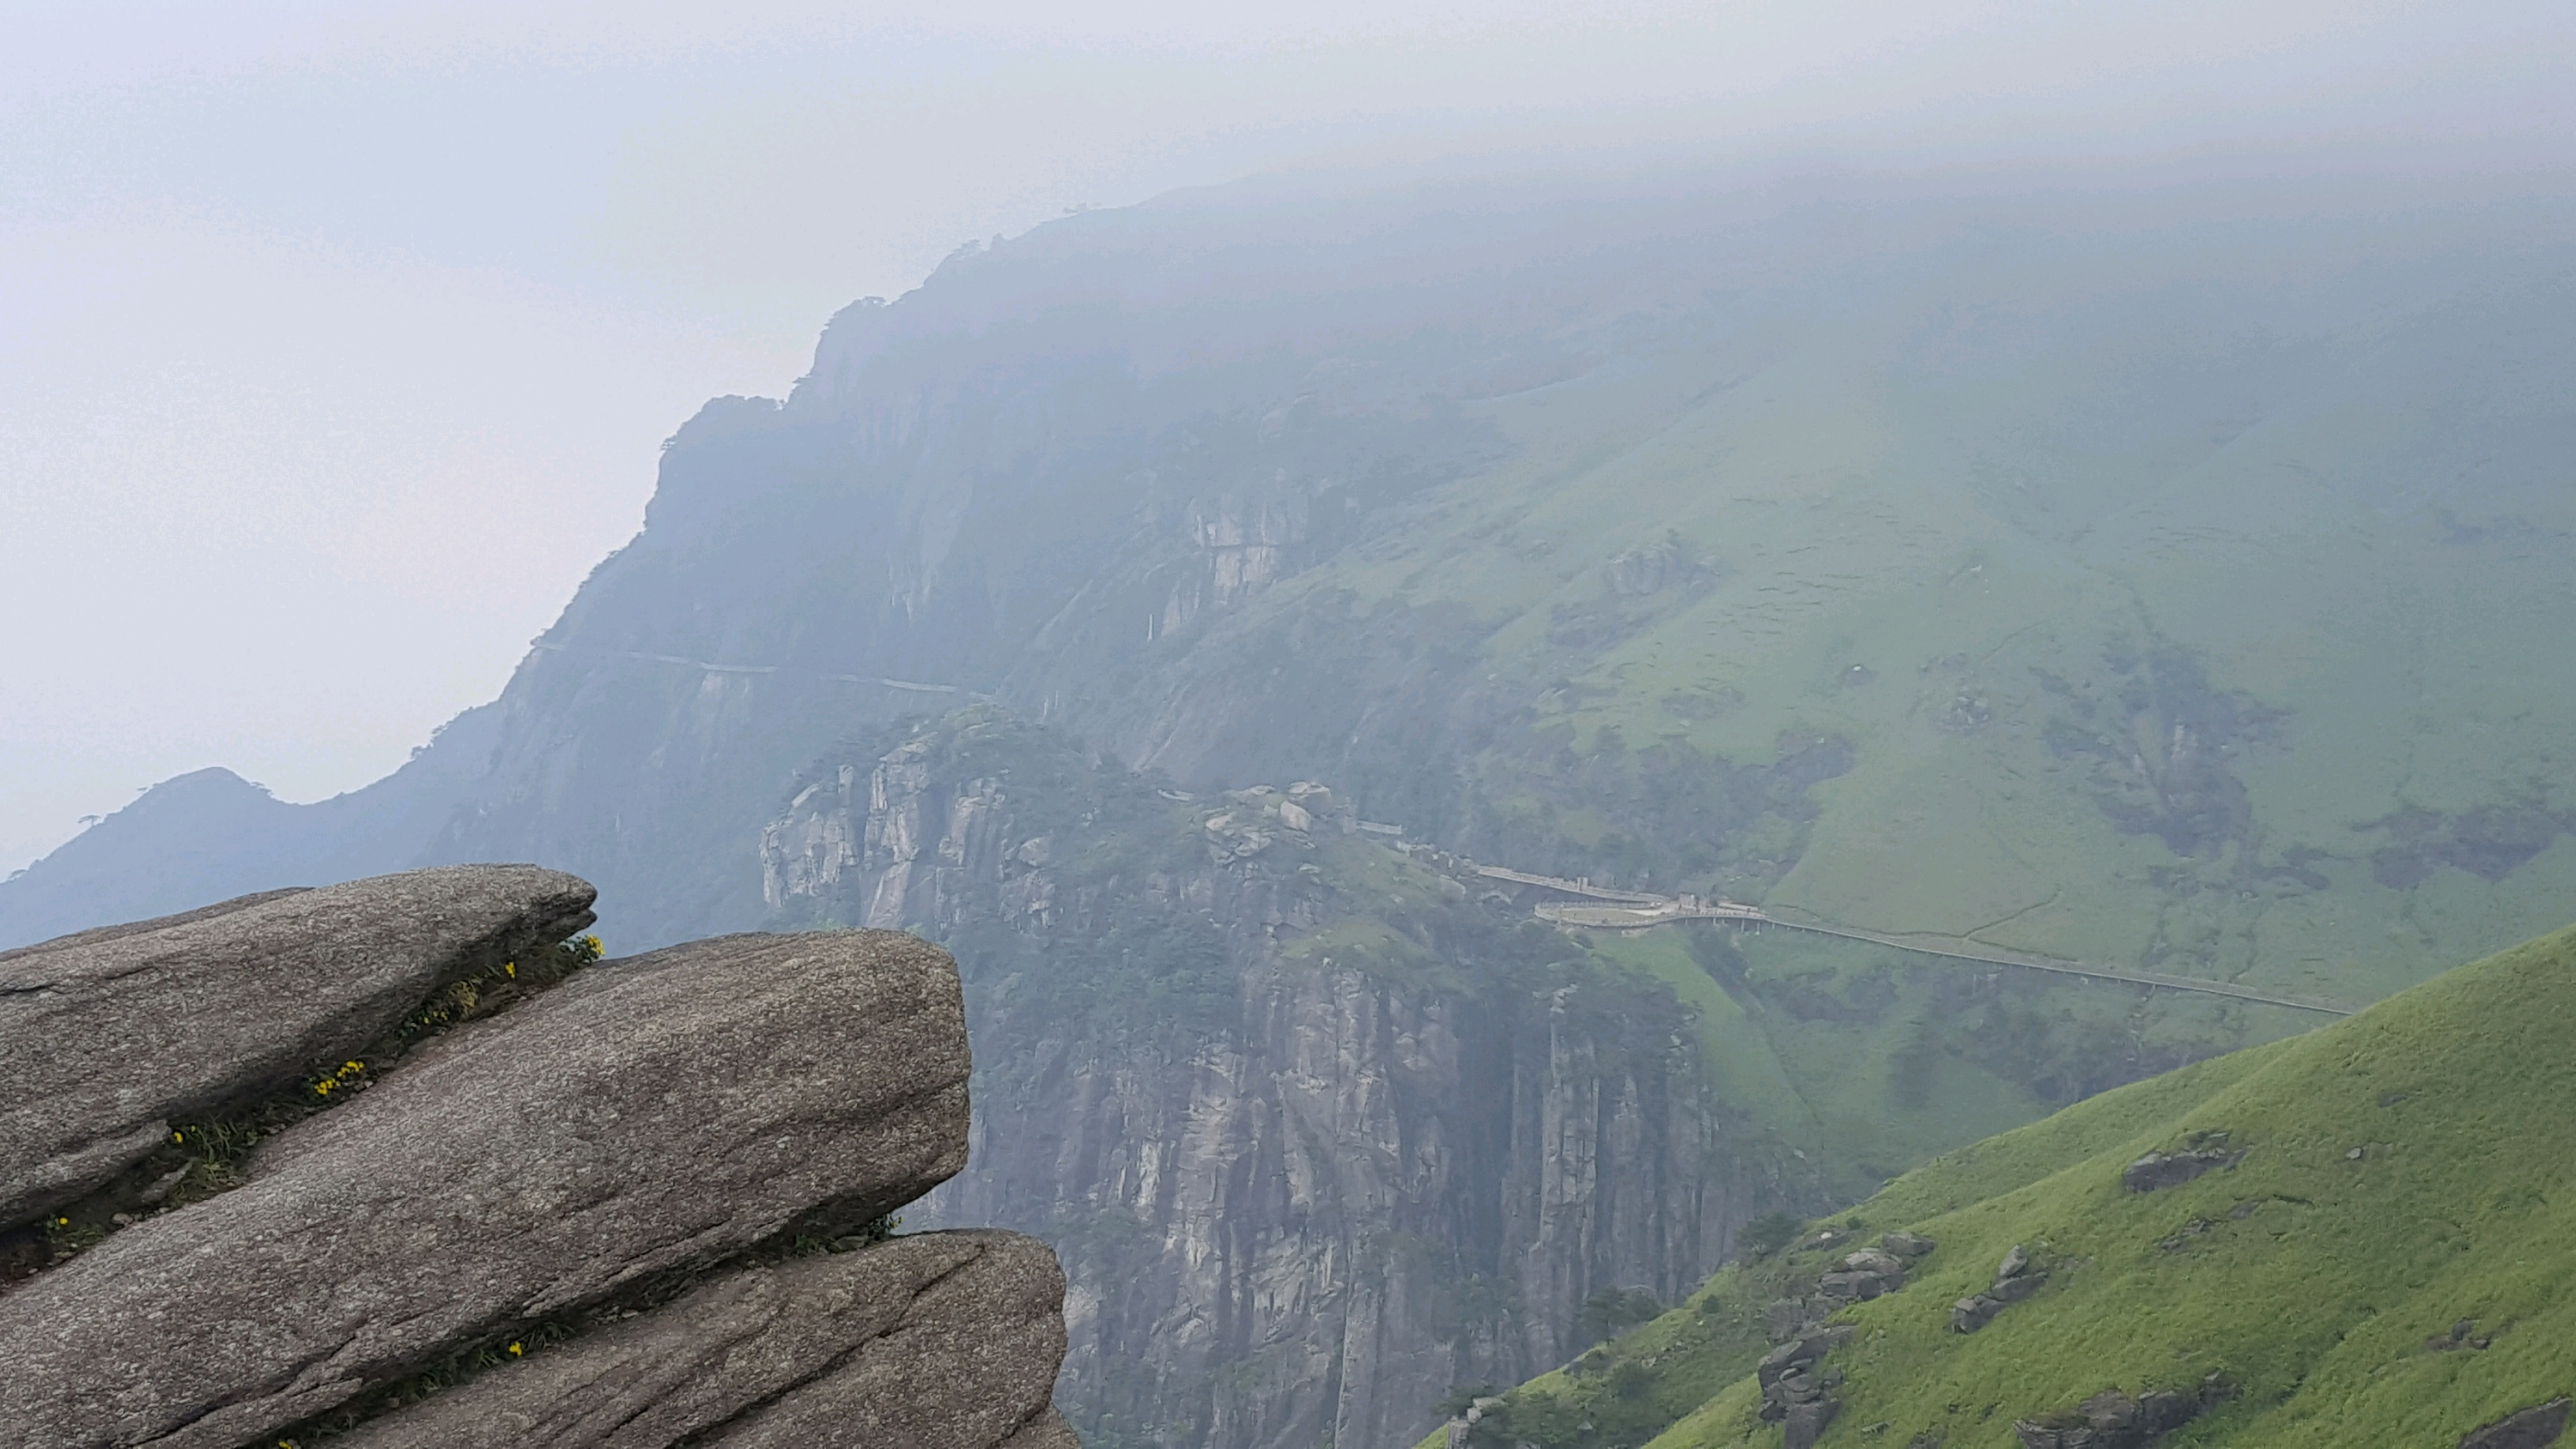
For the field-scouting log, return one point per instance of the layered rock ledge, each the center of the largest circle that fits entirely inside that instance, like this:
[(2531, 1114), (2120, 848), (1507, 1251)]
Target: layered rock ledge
[(923, 1340), (628, 1178), (108, 1036)]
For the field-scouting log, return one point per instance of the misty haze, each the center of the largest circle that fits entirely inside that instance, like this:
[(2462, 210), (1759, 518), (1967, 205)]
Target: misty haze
[(1679, 726)]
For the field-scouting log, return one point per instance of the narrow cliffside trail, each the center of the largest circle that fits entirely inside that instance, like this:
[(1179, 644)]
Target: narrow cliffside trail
[(1639, 911)]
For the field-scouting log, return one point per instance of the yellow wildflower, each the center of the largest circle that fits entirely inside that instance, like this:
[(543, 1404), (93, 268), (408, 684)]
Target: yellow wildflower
[(510, 969), (514, 1350)]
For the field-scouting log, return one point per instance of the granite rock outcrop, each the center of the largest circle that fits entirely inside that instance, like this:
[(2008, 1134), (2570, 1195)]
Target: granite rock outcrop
[(600, 1215), (110, 1035)]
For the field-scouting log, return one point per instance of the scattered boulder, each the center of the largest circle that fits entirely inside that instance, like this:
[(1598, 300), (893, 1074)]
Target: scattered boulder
[(948, 1339), (2112, 1419), (1874, 1260), (1788, 1318), (1864, 1275), (107, 1037), (1804, 1424), (2017, 1288), (1797, 1389), (646, 1121), (1907, 1247), (2534, 1428), (2207, 1152), (2016, 1278), (1851, 1287)]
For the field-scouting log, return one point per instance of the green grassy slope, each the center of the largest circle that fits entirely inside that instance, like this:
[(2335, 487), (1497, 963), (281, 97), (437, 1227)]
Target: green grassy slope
[(2171, 614), (2406, 1170), (2174, 595)]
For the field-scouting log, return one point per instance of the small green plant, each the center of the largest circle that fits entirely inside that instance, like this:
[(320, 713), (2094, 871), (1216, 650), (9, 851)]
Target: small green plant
[(1766, 1235), (1463, 1398), (203, 1159), (1614, 1311), (495, 989)]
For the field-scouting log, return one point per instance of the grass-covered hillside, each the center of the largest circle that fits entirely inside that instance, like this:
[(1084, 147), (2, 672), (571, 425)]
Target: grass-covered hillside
[(2391, 1260)]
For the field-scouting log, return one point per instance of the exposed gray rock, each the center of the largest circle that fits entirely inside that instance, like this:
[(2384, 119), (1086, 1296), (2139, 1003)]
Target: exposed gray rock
[(2015, 1289), (1804, 1424), (1226, 1201), (2112, 1419), (1972, 1313), (1907, 1246), (2017, 1277), (1796, 1388), (1046, 1431), (942, 1339), (1873, 1260), (2533, 1428), (108, 1036), (650, 1117), (2172, 1169), (1789, 1318), (1858, 1286)]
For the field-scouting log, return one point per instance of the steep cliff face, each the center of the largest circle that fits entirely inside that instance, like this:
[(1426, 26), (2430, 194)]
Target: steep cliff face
[(1316, 1138)]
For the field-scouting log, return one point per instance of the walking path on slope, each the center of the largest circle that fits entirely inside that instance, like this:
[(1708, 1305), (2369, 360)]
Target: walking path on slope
[(1641, 911)]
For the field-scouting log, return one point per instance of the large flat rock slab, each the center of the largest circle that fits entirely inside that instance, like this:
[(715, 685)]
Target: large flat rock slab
[(939, 1341), (108, 1036), (651, 1117)]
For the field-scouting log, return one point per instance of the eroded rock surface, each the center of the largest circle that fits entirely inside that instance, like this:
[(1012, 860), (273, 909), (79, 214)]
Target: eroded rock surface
[(652, 1117), (2112, 1419), (108, 1036), (2159, 1170), (947, 1339), (2016, 1278), (2533, 1428)]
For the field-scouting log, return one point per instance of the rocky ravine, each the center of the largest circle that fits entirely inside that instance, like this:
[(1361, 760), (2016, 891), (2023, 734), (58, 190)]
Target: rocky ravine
[(641, 1208), (1316, 1138)]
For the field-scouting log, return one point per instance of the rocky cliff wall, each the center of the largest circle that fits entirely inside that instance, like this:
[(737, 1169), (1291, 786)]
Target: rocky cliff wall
[(1316, 1138)]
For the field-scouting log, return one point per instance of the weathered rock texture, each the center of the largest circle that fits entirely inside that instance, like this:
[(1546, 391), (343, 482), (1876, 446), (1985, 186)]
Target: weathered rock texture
[(2016, 1278), (947, 1339), (1301, 1191), (651, 1118), (2112, 1419), (2159, 1170), (108, 1036), (2533, 1428)]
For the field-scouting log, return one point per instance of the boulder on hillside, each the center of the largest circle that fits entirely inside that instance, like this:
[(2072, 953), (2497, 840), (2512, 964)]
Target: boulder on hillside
[(1804, 1424), (108, 1036), (2206, 1152), (2533, 1428), (1907, 1246), (947, 1339), (1874, 1260), (647, 1120), (2112, 1419), (2016, 1278)]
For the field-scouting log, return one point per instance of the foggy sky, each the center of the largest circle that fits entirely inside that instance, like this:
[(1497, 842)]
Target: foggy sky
[(337, 340)]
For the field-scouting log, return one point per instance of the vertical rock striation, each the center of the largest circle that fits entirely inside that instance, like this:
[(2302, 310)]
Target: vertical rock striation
[(1316, 1139)]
